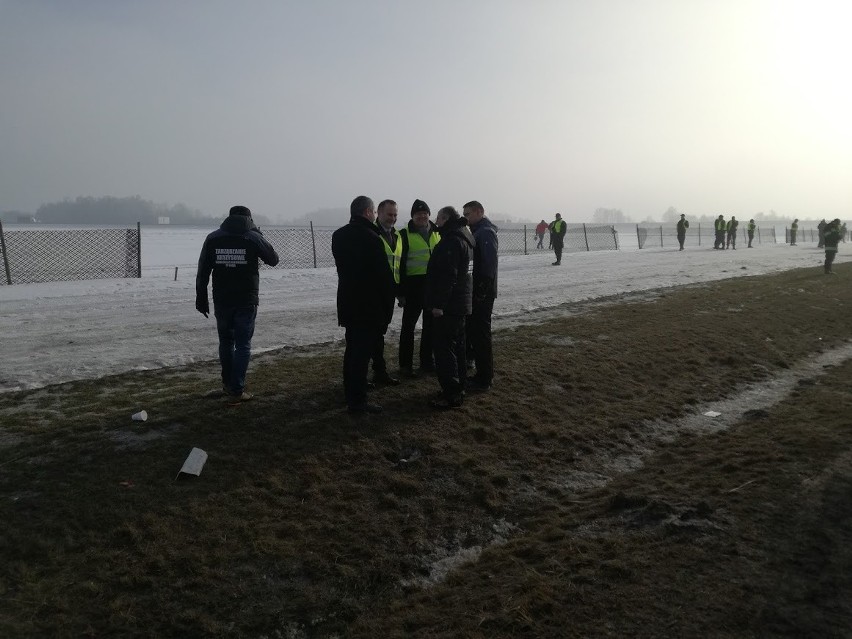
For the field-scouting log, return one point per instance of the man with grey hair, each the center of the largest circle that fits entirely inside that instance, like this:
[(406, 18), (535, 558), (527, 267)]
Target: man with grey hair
[(364, 285), (448, 298)]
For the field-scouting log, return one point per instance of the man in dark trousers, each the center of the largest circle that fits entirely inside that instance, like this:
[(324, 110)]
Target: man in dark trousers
[(419, 239), (682, 225), (231, 255), (731, 229), (750, 230), (484, 291), (557, 236), (364, 285), (719, 227), (386, 216), (794, 230), (831, 236), (448, 298)]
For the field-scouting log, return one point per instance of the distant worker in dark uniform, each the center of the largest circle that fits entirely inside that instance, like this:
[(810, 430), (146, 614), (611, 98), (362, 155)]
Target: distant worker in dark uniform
[(364, 285), (540, 230), (821, 233), (794, 230), (682, 225), (831, 239), (448, 298), (419, 239), (557, 237), (478, 329), (231, 254), (731, 228), (843, 232), (719, 226), (386, 215), (750, 230)]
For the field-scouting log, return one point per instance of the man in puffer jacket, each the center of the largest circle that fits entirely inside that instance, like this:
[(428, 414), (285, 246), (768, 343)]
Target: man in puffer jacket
[(449, 287), (231, 254)]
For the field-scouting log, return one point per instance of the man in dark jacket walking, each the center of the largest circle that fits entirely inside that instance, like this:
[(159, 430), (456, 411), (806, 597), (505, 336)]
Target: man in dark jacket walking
[(448, 296), (365, 283), (231, 255), (484, 291)]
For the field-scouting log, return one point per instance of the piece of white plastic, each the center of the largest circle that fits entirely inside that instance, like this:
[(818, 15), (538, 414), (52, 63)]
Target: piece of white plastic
[(141, 416), (712, 413), (194, 462)]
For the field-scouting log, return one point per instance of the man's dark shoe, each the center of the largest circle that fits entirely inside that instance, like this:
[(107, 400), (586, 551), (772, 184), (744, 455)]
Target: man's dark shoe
[(475, 385), (366, 407), (385, 379), (447, 403), (556, 263)]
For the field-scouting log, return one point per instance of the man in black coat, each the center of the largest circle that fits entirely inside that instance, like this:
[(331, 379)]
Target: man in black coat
[(231, 254), (364, 285), (449, 286), (478, 327)]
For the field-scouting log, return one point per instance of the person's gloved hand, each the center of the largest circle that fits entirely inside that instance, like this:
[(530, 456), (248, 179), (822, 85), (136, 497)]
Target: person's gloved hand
[(202, 306)]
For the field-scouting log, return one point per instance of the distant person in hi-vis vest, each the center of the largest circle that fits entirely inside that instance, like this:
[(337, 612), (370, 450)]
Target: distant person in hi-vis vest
[(557, 237)]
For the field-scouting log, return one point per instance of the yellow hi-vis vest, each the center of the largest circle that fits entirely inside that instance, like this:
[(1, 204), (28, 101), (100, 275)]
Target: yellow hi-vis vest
[(557, 226), (394, 255), (419, 251)]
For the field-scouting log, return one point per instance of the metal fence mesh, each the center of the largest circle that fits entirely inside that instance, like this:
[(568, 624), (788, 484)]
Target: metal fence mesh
[(300, 247), (697, 235), (62, 255)]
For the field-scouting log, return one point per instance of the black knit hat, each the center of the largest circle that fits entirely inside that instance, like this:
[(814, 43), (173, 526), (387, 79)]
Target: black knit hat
[(419, 205), (240, 210)]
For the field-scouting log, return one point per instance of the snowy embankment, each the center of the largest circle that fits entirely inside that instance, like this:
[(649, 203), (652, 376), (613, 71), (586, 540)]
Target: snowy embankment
[(58, 332)]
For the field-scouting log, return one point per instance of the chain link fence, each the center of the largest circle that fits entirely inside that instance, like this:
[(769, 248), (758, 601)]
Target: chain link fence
[(698, 235), (310, 247), (62, 255)]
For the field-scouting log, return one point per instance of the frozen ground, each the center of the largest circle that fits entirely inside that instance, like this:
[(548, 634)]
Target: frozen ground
[(58, 332)]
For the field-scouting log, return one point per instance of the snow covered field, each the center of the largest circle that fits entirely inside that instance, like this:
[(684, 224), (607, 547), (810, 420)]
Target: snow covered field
[(57, 332)]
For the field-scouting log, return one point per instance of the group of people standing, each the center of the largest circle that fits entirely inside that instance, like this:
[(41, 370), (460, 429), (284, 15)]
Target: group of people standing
[(726, 233), (443, 271)]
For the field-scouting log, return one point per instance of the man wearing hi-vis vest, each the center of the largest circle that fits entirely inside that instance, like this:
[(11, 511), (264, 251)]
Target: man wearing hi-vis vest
[(386, 215), (418, 241), (720, 227), (557, 237)]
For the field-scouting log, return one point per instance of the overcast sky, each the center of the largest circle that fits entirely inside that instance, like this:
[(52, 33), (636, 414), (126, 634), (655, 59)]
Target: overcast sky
[(530, 106)]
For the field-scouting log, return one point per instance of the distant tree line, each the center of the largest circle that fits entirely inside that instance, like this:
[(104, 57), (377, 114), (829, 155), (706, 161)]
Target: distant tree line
[(120, 210)]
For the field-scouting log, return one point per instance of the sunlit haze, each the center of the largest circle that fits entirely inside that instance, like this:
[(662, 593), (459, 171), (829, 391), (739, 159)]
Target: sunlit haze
[(533, 107)]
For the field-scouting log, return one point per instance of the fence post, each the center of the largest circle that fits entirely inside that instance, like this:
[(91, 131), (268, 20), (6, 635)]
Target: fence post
[(638, 238), (758, 236), (586, 235), (614, 236), (139, 249), (699, 234), (525, 240), (661, 236), (313, 243), (5, 255)]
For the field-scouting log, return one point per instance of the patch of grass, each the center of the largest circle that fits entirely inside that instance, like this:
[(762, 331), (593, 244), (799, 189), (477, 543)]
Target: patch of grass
[(306, 520)]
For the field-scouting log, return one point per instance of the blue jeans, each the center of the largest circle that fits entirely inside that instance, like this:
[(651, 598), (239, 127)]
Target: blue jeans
[(236, 328)]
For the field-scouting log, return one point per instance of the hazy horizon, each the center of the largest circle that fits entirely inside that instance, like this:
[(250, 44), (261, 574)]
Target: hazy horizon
[(731, 107)]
